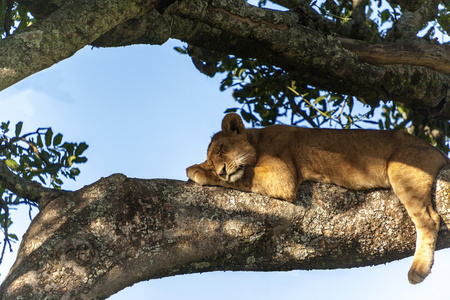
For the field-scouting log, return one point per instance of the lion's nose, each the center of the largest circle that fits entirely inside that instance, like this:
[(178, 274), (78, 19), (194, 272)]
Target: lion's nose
[(223, 172)]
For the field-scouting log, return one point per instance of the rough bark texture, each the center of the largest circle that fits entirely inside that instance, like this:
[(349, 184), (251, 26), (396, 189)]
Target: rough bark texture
[(300, 41), (59, 35), (118, 231), (435, 57)]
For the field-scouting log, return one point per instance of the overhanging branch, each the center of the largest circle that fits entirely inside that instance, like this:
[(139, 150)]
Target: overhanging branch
[(61, 34), (118, 231), (235, 27)]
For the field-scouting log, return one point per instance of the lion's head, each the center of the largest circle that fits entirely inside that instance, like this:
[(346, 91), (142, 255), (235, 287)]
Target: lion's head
[(230, 152)]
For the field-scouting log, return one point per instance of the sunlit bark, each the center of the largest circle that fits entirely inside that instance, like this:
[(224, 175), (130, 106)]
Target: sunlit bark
[(96, 241)]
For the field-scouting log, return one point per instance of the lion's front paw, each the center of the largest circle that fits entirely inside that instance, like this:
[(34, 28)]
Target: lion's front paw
[(191, 172), (199, 175)]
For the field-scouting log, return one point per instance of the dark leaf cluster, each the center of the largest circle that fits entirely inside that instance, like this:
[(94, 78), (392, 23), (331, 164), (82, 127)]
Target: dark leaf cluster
[(268, 96)]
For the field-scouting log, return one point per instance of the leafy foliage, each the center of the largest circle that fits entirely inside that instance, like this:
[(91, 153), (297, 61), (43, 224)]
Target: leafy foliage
[(13, 17), (39, 155), (269, 96), (396, 116)]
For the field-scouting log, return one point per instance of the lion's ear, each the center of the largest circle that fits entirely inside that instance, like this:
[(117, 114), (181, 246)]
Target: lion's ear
[(233, 123)]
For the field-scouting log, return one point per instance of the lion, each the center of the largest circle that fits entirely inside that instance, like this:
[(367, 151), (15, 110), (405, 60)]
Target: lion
[(275, 160)]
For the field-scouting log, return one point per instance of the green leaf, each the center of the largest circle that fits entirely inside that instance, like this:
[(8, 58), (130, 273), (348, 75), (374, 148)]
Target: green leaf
[(247, 117), (45, 156), (57, 181), (181, 50), (70, 160), (2, 220), (24, 19), (41, 179), (57, 140), (5, 127), (12, 164), (320, 99), (80, 149), (230, 110), (52, 168), (48, 137), (80, 160), (13, 237), (74, 172), (39, 141), (385, 15), (69, 148), (18, 128)]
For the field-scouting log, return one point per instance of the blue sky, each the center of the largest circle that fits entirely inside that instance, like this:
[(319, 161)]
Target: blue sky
[(145, 111)]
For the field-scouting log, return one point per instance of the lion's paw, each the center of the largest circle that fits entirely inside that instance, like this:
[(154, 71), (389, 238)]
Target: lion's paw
[(418, 272), (199, 175), (192, 171)]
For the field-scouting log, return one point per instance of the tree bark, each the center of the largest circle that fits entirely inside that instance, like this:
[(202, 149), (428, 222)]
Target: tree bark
[(30, 190), (234, 27), (60, 35), (96, 241), (435, 57)]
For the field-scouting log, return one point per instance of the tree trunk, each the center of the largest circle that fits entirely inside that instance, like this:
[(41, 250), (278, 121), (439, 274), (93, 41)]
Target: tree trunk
[(118, 231)]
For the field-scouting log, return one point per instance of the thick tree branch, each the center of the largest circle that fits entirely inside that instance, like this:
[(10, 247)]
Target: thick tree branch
[(411, 5), (310, 56), (406, 28), (23, 188), (41, 8), (234, 27), (435, 57), (118, 231), (358, 28), (60, 35)]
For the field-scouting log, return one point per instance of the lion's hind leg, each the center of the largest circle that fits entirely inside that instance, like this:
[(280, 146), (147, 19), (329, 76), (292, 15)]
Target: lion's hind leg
[(413, 187), (427, 227)]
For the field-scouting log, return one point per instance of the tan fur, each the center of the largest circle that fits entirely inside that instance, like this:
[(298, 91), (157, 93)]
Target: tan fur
[(274, 161)]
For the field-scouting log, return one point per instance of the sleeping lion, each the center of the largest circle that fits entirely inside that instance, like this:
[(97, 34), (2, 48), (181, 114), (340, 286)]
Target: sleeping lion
[(274, 161)]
